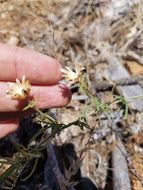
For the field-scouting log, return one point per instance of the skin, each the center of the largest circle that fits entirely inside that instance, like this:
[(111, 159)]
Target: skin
[(44, 74)]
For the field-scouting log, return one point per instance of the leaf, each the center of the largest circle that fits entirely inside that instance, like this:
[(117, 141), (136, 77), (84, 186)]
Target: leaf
[(32, 171), (8, 172)]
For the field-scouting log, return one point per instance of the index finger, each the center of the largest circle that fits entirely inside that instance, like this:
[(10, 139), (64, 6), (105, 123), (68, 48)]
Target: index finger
[(38, 68)]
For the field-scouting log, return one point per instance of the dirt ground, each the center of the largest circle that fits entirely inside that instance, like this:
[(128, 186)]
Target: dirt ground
[(106, 36)]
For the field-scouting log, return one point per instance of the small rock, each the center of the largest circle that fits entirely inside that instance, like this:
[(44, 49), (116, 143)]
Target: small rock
[(132, 94)]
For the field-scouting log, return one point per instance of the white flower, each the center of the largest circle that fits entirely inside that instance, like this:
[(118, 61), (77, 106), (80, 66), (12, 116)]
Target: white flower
[(19, 90), (73, 76)]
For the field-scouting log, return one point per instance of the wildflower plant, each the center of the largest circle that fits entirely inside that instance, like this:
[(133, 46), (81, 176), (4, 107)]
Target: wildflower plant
[(20, 91), (79, 77), (25, 155), (73, 76)]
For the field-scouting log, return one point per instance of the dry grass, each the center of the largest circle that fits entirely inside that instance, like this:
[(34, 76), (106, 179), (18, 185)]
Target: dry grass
[(93, 33)]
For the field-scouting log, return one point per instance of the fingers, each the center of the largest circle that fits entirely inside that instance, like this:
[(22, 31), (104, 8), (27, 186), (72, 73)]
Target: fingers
[(41, 70), (45, 97), (8, 127), (38, 68), (51, 96)]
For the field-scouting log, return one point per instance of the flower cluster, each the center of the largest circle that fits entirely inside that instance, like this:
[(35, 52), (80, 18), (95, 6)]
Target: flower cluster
[(19, 90), (73, 76)]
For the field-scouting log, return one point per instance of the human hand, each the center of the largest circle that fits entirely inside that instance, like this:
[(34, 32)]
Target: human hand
[(42, 71)]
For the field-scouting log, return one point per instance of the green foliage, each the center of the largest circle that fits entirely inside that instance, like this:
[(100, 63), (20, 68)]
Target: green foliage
[(121, 100), (24, 156)]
